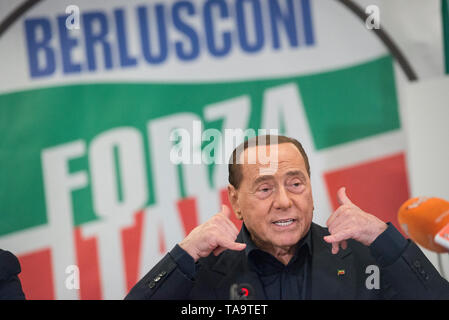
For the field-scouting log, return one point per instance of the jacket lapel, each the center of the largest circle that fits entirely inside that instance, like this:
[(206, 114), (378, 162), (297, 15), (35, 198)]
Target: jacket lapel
[(240, 275), (233, 267), (236, 270), (332, 275)]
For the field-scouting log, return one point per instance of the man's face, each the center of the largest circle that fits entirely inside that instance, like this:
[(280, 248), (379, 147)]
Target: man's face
[(276, 205)]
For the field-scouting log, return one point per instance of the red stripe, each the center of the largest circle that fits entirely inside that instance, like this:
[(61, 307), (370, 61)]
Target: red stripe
[(131, 242), (87, 260), (225, 200), (37, 275), (188, 213), (161, 238), (378, 187)]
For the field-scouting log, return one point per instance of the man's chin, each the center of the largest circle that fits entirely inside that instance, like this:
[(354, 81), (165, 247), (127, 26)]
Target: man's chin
[(286, 241)]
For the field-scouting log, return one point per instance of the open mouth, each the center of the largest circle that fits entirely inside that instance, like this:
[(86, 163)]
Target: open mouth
[(284, 222)]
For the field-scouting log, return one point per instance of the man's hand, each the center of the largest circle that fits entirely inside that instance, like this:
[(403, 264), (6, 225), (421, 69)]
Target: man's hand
[(351, 222), (215, 235)]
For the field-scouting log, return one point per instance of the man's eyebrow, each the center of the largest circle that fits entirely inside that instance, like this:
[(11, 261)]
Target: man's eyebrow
[(296, 173), (267, 177), (263, 178)]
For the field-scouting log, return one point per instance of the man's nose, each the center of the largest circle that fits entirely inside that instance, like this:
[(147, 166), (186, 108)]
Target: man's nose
[(282, 199)]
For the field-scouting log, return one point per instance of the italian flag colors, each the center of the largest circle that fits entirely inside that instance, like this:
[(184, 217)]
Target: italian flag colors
[(352, 113)]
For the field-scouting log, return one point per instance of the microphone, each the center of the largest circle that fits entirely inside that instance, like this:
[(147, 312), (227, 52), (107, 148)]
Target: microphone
[(243, 291), (426, 221)]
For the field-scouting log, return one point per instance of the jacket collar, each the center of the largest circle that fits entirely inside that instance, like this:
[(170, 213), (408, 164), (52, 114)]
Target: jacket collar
[(233, 267), (326, 283)]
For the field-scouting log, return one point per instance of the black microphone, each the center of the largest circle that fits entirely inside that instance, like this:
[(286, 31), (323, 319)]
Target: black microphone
[(243, 291)]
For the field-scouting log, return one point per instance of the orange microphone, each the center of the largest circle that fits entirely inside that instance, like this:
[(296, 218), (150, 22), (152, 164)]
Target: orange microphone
[(426, 221)]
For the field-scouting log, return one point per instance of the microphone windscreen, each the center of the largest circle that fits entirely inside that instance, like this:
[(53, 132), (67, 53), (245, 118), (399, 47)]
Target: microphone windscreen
[(422, 218)]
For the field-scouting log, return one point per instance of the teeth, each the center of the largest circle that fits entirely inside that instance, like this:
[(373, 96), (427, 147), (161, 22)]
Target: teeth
[(283, 223)]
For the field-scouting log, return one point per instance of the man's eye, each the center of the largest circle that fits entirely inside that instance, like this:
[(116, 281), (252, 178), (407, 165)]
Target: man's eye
[(296, 186), (264, 192), (265, 189)]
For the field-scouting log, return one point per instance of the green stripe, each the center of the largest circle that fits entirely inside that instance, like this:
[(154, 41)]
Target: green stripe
[(445, 18), (352, 103), (117, 174)]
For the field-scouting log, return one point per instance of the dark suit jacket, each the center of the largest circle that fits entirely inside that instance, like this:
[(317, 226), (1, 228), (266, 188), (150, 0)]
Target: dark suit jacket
[(10, 287), (411, 276)]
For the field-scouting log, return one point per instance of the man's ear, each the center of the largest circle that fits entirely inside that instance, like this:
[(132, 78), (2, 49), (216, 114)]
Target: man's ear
[(233, 198)]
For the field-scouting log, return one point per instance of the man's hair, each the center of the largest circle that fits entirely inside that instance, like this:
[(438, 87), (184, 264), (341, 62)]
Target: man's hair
[(235, 168)]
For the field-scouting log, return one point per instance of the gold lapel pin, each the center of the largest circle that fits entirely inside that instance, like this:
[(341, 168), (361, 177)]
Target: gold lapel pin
[(341, 272)]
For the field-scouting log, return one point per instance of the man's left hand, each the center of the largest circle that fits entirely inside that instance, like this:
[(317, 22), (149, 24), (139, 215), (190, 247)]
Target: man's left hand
[(351, 222)]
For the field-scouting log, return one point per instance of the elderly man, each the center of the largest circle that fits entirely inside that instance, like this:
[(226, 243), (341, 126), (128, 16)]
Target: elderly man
[(279, 253)]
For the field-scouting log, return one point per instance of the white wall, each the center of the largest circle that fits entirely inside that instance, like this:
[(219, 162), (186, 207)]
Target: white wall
[(426, 115)]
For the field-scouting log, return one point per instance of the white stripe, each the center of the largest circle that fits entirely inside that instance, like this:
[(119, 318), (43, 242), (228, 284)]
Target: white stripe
[(362, 150)]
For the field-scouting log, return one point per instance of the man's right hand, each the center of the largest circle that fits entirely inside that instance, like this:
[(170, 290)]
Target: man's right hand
[(215, 235)]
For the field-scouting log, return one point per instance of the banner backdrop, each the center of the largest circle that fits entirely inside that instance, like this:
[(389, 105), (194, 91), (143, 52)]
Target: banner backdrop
[(87, 186)]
